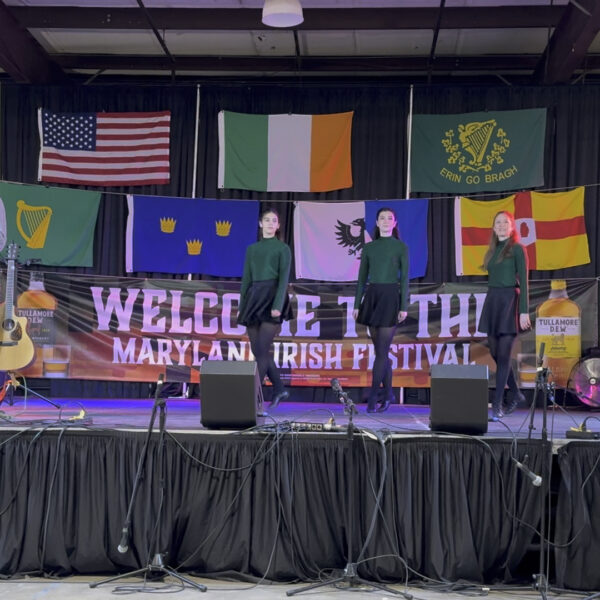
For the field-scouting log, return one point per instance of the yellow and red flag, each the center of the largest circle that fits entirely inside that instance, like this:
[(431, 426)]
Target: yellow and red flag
[(551, 225)]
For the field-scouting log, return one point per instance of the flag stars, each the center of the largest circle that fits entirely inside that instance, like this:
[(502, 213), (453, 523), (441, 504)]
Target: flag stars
[(69, 131)]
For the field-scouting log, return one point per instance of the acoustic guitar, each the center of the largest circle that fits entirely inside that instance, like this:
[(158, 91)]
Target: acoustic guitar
[(16, 348)]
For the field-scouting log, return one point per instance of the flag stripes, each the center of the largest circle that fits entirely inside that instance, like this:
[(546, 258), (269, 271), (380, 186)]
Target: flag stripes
[(106, 149)]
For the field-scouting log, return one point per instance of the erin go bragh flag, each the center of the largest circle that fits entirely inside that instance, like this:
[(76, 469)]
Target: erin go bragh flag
[(285, 153), (104, 149), (53, 225), (473, 152), (551, 225)]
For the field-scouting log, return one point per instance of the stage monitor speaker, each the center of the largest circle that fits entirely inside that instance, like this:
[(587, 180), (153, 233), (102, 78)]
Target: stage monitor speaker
[(459, 399), (230, 394)]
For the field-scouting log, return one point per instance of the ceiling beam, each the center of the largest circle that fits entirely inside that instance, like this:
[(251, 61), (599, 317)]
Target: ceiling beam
[(570, 42), (315, 64), (235, 19), (21, 56)]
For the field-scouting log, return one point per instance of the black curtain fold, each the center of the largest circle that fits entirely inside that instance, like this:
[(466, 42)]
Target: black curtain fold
[(266, 505), (577, 533)]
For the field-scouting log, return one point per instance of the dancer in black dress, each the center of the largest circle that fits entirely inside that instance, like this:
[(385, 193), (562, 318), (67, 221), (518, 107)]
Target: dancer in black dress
[(264, 302), (384, 265), (505, 310)]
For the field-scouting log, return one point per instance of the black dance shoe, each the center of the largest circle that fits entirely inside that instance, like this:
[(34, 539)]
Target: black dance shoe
[(278, 398), (385, 403), (497, 413), (512, 401), (372, 404)]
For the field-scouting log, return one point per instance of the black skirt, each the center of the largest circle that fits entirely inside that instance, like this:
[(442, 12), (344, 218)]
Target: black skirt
[(257, 304), (380, 305), (500, 313)]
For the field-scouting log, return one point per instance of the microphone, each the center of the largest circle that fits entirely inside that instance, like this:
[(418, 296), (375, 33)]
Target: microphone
[(336, 387), (124, 543), (536, 480)]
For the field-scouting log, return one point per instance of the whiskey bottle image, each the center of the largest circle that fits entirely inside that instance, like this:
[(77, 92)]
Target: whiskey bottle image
[(39, 306), (558, 325)]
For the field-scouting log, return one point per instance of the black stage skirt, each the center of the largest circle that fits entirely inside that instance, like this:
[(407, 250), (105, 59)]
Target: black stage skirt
[(258, 303), (500, 313), (380, 305)]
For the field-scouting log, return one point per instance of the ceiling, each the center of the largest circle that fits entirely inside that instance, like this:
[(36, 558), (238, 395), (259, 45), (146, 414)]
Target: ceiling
[(518, 41)]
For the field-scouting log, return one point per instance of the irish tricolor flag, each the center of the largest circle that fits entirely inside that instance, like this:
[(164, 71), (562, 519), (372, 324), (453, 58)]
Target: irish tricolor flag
[(551, 225), (285, 153)]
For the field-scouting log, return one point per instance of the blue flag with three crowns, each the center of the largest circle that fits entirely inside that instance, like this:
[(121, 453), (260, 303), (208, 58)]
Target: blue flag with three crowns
[(189, 235)]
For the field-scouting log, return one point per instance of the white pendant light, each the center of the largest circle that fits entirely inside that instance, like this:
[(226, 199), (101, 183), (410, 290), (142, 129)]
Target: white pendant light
[(282, 13)]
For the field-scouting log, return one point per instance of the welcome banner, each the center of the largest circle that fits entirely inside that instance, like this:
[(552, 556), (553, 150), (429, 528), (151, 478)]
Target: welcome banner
[(108, 328), (476, 152)]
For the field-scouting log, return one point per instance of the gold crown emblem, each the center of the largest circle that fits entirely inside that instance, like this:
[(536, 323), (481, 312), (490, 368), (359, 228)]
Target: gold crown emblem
[(194, 247), (223, 228), (167, 225)]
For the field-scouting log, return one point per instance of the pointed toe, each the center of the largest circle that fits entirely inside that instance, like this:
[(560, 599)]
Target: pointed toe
[(279, 398)]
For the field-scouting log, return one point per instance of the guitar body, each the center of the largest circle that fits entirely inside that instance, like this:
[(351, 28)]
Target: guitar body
[(16, 348)]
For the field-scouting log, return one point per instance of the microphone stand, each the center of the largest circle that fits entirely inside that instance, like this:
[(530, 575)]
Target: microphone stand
[(350, 573), (540, 579), (157, 564)]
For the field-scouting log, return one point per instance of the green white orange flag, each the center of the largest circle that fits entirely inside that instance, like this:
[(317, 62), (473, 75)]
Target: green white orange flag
[(551, 225), (285, 153)]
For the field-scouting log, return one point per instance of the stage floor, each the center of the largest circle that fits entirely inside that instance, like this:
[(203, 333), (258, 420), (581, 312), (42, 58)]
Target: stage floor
[(184, 415)]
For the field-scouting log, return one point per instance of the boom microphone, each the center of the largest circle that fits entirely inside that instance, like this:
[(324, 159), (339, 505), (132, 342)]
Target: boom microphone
[(536, 480)]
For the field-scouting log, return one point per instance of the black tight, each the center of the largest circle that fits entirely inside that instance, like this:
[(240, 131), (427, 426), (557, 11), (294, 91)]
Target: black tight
[(501, 350), (261, 340), (382, 369)]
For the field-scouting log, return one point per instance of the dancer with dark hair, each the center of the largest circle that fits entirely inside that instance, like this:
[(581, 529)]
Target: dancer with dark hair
[(505, 310), (264, 301), (384, 265)]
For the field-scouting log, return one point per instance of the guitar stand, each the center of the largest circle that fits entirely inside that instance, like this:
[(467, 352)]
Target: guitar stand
[(13, 384)]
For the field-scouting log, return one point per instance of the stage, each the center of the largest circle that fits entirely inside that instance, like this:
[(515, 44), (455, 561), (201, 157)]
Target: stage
[(294, 497)]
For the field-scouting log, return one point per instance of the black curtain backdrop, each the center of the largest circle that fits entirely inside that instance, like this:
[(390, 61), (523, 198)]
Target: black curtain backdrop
[(379, 151), (577, 535), (267, 505)]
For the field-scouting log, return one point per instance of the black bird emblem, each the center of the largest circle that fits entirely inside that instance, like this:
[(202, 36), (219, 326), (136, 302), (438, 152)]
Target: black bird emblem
[(351, 236)]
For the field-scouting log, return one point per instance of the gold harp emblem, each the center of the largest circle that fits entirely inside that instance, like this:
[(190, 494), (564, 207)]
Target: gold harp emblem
[(33, 223), (475, 138)]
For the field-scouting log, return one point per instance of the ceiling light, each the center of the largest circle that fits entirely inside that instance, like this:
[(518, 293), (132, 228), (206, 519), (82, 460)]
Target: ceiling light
[(282, 13)]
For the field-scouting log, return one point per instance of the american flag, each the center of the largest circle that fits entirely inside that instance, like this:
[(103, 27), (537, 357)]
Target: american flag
[(104, 149)]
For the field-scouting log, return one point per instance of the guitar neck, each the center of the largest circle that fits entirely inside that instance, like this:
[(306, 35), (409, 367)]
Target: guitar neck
[(10, 287)]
